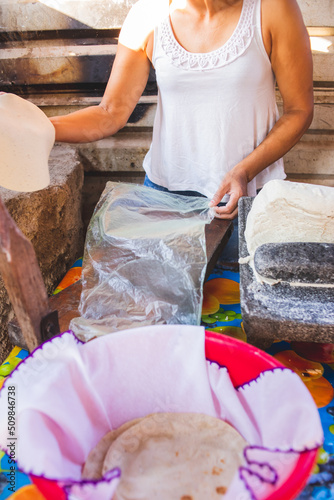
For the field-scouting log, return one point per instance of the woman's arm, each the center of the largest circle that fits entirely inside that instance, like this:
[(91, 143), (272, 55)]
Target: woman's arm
[(126, 84), (287, 42)]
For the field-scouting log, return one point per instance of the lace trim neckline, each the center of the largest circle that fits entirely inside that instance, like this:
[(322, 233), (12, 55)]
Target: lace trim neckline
[(232, 48)]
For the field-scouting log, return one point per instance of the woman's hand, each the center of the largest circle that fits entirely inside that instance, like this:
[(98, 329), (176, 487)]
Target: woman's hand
[(234, 184)]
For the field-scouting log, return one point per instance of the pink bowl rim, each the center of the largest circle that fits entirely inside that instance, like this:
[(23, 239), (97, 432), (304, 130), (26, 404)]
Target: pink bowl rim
[(303, 469)]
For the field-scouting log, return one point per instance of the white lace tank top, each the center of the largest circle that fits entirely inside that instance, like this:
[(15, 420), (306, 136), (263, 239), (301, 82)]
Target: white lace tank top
[(213, 108)]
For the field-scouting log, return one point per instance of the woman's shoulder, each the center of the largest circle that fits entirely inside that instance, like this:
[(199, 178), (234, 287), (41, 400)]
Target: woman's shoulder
[(141, 21), (279, 12), (148, 12), (282, 20)]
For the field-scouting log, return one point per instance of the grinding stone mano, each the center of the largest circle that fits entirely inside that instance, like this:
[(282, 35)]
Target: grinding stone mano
[(26, 139), (311, 263)]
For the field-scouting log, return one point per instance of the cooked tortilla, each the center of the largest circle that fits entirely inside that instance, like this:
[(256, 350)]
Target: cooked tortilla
[(175, 456), (94, 463)]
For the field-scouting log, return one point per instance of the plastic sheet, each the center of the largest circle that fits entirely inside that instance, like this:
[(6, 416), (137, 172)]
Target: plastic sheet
[(144, 261)]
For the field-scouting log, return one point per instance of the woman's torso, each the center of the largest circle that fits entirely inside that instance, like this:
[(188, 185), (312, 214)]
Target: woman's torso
[(214, 106)]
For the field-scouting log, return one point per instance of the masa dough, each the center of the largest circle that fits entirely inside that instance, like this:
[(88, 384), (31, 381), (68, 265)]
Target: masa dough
[(26, 139), (285, 212)]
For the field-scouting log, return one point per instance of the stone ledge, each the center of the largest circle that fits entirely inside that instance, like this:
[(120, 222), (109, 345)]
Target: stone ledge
[(312, 155), (51, 220), (144, 113), (122, 152), (312, 179)]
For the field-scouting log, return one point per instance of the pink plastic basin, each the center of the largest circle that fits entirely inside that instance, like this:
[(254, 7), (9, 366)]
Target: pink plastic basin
[(244, 363)]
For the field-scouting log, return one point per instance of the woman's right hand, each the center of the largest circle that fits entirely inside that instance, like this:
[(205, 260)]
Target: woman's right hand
[(234, 184)]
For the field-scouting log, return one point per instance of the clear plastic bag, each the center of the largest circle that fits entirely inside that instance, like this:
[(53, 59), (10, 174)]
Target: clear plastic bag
[(144, 260)]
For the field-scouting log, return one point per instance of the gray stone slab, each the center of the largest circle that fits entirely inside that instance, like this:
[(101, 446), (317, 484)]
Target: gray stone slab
[(281, 311)]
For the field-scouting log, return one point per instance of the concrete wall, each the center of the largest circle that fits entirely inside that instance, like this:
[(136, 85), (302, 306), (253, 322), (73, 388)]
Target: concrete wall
[(29, 15)]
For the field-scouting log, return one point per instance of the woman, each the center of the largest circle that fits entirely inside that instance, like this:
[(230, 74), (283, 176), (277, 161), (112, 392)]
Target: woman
[(216, 130)]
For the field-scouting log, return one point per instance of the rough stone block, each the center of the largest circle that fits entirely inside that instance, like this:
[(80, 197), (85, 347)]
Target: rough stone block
[(51, 220)]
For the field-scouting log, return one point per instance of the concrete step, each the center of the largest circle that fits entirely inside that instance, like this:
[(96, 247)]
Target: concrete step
[(89, 61), (143, 116), (70, 64), (313, 155), (56, 62), (123, 152)]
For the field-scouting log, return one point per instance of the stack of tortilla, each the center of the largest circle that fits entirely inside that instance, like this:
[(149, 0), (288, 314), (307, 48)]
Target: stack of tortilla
[(164, 456)]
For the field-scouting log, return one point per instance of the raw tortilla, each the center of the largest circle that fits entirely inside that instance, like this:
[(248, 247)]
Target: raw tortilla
[(181, 456), (289, 212), (26, 139)]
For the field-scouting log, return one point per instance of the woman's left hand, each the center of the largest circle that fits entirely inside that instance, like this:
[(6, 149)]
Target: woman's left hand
[(234, 184)]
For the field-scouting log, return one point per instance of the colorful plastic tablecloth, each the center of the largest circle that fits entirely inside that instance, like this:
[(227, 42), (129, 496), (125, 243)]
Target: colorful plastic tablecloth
[(221, 312)]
